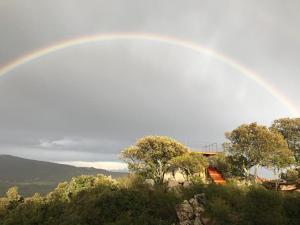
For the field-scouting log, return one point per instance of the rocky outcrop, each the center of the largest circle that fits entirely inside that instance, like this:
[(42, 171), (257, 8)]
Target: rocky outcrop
[(192, 212)]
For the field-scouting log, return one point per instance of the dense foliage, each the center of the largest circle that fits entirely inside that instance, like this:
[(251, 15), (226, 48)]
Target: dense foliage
[(99, 200), (252, 205), (290, 130), (89, 200), (254, 145), (189, 164), (151, 156)]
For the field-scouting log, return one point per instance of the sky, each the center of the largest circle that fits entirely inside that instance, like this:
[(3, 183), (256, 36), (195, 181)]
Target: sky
[(82, 105)]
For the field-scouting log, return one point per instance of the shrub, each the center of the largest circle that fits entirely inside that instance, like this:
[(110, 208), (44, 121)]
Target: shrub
[(263, 207), (291, 208), (101, 201)]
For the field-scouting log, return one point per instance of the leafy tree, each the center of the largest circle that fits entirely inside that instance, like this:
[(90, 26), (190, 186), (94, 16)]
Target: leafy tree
[(151, 155), (67, 190), (59, 193), (14, 198), (87, 182), (258, 146), (189, 163), (36, 198), (290, 129), (280, 159)]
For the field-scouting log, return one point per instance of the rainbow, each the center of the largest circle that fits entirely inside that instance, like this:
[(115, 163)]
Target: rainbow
[(7, 68)]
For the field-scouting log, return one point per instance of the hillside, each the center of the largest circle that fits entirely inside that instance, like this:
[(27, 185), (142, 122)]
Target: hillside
[(39, 176)]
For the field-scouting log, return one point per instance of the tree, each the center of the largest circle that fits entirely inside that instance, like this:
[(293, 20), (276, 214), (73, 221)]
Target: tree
[(189, 164), (65, 191), (281, 158), (14, 198), (290, 130), (258, 146), (151, 155)]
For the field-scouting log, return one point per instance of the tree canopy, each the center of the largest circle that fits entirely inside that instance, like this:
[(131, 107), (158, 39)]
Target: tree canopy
[(257, 146), (189, 163), (151, 155), (290, 130)]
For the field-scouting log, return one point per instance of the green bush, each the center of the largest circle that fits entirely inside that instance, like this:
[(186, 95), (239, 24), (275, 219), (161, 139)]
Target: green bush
[(251, 205), (225, 203), (263, 207), (100, 200), (291, 208)]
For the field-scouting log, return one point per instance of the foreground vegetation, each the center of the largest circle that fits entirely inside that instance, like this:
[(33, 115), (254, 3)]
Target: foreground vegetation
[(97, 200)]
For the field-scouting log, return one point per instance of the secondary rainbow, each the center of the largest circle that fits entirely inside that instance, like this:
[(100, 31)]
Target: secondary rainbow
[(7, 68)]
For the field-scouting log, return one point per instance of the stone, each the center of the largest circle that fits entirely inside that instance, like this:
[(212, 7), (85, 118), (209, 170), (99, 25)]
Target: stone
[(190, 212), (200, 198), (185, 211), (172, 184)]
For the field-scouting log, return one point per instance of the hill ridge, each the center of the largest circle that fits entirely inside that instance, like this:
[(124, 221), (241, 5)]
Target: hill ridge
[(42, 175)]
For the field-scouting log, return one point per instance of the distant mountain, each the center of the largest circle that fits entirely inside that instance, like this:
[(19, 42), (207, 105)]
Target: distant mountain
[(38, 176)]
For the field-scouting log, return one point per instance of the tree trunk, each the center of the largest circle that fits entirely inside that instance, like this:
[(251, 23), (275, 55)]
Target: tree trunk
[(161, 178), (247, 172), (276, 181)]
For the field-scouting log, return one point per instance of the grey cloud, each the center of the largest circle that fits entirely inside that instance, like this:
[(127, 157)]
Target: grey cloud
[(95, 99)]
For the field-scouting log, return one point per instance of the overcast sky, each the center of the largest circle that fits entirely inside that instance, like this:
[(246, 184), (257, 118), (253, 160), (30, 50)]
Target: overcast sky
[(86, 103)]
